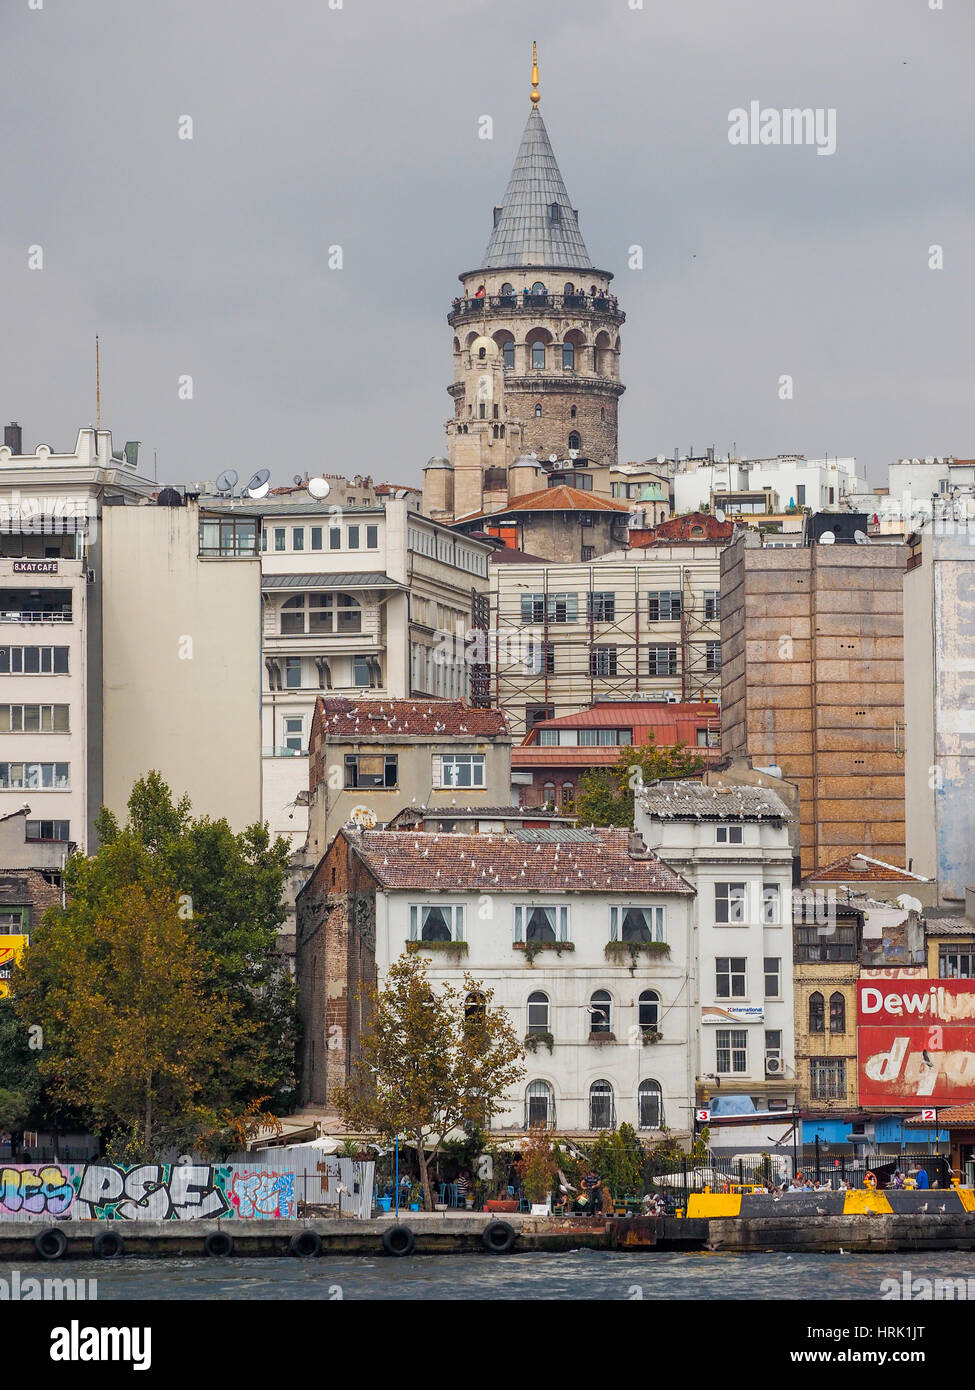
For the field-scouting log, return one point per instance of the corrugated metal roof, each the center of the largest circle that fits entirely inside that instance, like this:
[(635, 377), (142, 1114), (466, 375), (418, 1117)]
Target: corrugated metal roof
[(372, 579), (525, 233), (556, 836), (693, 800), (626, 713)]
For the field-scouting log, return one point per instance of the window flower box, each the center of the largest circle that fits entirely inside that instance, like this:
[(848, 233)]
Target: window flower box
[(454, 949), (532, 948), (533, 1041), (650, 1035), (626, 952), (602, 1037)]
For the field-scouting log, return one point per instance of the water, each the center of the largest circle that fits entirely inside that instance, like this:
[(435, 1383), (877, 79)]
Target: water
[(581, 1274)]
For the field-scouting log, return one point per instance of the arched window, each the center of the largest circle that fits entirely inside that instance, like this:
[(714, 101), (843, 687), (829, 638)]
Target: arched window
[(837, 1013), (600, 1012), (554, 213), (602, 1112), (568, 796), (507, 288), (568, 287), (548, 794), (539, 288), (649, 1008), (651, 1105), (538, 1012), (575, 440), (697, 530), (817, 1022), (538, 355), (475, 1006), (508, 353), (572, 413), (539, 1105), (568, 357), (481, 353), (538, 411)]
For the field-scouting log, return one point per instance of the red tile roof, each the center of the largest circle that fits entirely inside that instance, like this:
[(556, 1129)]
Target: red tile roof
[(626, 714), (504, 863), (860, 868), (678, 529), (553, 499), (582, 756), (342, 718), (955, 1116)]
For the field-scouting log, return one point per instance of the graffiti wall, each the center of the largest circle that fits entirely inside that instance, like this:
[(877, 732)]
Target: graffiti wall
[(11, 950), (147, 1192)]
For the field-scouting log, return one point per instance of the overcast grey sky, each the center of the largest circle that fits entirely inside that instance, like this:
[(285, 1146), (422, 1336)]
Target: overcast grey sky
[(358, 127)]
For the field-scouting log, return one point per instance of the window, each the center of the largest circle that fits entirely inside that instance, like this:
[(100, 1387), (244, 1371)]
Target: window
[(602, 1111), (713, 656), (663, 661), (508, 354), (827, 1078), (437, 922), (548, 738), (538, 1012), (588, 551), (458, 770), (34, 776), (729, 977), (537, 714), (728, 834), (575, 440), (48, 830), (372, 537), (548, 795), (773, 977), (335, 538), (539, 658), (729, 904), (573, 412), (636, 924), (371, 769), (352, 537), (292, 673), (800, 494), (837, 1013), (232, 536), (568, 796), (773, 1045), (712, 605), (297, 538), (568, 365), (601, 607), (771, 900), (539, 1105), (600, 1012), (650, 1105), (364, 671), (33, 661), (538, 410), (540, 923), (604, 738), (538, 287), (664, 606), (817, 1016), (812, 944), (316, 538), (708, 738), (538, 360), (556, 608), (279, 537), (956, 962), (731, 1045), (14, 921), (293, 735), (648, 1010), (33, 719), (602, 661)]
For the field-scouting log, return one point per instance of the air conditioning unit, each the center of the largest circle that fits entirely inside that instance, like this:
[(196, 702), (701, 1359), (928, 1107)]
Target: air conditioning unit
[(774, 1065)]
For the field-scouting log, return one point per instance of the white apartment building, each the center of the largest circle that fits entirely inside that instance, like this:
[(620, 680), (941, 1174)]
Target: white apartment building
[(51, 634), (643, 622), (732, 845), (792, 480), (357, 600), (582, 935)]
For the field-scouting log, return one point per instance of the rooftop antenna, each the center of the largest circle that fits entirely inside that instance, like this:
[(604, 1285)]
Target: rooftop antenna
[(259, 486), (227, 481), (98, 386)]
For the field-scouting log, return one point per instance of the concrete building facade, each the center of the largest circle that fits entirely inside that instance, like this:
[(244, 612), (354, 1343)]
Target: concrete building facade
[(812, 641)]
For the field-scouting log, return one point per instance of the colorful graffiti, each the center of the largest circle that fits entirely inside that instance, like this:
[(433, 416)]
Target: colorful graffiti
[(11, 950), (262, 1194), (146, 1192)]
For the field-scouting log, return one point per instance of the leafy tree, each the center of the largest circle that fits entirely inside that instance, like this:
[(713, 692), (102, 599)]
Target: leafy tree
[(539, 1167), (230, 898), (607, 794), (14, 1108), (429, 1063), (133, 1034), (617, 1156)]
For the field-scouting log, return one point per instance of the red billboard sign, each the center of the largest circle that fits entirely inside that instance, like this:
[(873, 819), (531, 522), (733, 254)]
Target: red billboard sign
[(897, 1002), (916, 1066)]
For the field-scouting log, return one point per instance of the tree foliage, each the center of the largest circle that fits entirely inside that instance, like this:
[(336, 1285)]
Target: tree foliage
[(539, 1167), (617, 1157), (429, 1062), (607, 794)]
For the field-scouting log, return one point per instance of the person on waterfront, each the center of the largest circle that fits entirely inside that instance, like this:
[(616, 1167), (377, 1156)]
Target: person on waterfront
[(592, 1188), (922, 1178), (898, 1178), (462, 1186)]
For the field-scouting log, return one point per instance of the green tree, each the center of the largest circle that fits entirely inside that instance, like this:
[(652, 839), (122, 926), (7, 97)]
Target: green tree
[(539, 1166), (617, 1156), (607, 794), (229, 888), (133, 1034), (430, 1062)]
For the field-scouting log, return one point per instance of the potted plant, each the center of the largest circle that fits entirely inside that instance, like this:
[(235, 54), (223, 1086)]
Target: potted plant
[(416, 1196)]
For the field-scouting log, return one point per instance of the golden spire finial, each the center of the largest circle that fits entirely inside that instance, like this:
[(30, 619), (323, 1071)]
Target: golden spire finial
[(535, 97)]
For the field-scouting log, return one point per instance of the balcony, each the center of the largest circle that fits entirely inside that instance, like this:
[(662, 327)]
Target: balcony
[(465, 309), (21, 605)]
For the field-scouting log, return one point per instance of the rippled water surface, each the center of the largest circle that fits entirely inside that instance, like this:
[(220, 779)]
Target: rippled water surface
[(582, 1274)]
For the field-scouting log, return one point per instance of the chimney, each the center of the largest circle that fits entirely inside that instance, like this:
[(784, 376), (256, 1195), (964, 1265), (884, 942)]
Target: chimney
[(13, 437), (636, 845)]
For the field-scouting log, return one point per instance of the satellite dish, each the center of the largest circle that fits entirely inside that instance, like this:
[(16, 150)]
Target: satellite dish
[(298, 479), (827, 538), (553, 458), (573, 453), (318, 487), (227, 480), (861, 537), (720, 514), (259, 486)]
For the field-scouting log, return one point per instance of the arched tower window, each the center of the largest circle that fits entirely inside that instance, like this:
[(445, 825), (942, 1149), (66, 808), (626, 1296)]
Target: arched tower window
[(575, 440), (651, 1105), (572, 413), (568, 357), (538, 356), (538, 411), (817, 1020), (837, 1013)]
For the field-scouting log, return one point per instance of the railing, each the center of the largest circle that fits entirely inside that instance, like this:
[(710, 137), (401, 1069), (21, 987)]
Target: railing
[(32, 616), (596, 303), (276, 752)]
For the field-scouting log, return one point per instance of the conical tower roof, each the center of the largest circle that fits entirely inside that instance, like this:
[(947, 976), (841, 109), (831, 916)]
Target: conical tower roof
[(536, 224)]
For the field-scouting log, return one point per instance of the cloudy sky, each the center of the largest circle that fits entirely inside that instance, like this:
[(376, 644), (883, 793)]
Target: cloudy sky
[(358, 127)]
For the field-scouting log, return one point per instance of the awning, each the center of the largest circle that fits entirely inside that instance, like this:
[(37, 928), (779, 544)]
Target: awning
[(365, 580)]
